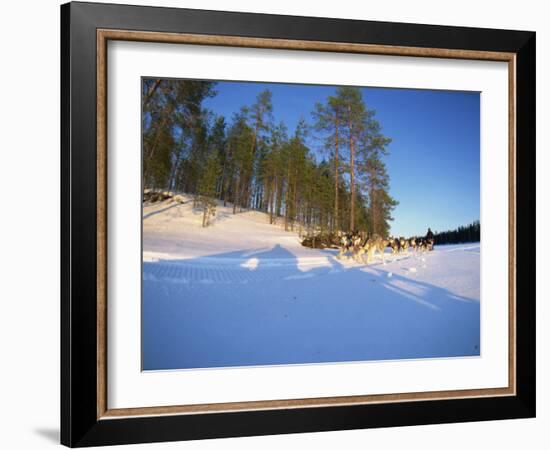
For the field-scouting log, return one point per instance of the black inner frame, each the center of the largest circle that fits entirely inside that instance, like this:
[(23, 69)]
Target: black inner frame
[(79, 423)]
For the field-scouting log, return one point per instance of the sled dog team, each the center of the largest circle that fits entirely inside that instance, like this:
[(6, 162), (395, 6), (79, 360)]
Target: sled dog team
[(359, 246)]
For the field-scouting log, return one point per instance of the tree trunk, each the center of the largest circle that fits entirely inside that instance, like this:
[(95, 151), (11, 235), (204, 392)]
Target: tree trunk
[(236, 194), (279, 198), (295, 200), (221, 189), (271, 204), (204, 216), (287, 199), (151, 152), (336, 156), (373, 210), (244, 197), (352, 172)]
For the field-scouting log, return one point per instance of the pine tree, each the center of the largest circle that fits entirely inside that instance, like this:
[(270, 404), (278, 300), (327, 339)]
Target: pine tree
[(295, 157), (240, 139), (217, 145), (174, 125), (328, 119), (354, 116), (158, 141), (260, 121), (206, 198), (381, 204), (272, 170)]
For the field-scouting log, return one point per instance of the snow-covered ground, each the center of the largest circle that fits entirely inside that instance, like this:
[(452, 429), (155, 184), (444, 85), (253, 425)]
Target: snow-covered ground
[(242, 292)]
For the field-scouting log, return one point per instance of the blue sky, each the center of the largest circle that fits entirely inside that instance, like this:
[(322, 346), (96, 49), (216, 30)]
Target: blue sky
[(434, 155)]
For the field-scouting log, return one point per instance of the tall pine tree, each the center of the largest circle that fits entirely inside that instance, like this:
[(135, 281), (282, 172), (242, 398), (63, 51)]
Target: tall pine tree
[(328, 118)]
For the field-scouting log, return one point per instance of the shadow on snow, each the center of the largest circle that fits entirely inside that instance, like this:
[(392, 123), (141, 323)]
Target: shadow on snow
[(265, 306)]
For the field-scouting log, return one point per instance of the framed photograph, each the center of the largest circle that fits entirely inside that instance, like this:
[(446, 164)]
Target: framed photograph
[(276, 224)]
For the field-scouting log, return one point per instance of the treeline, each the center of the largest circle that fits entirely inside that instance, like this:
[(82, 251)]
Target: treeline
[(468, 233), (250, 162)]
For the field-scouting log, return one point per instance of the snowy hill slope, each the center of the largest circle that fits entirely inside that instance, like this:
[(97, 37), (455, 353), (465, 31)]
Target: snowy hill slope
[(243, 292), (174, 230)]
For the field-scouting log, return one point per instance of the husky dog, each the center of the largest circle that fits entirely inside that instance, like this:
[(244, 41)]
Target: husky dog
[(424, 245), (359, 250), (404, 244), (421, 244), (357, 242), (394, 244), (348, 243), (371, 246), (429, 244), (413, 244), (345, 244)]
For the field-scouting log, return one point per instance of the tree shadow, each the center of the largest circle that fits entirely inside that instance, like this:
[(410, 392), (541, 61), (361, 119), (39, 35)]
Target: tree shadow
[(220, 216), (269, 256), (431, 290), (154, 213), (396, 281)]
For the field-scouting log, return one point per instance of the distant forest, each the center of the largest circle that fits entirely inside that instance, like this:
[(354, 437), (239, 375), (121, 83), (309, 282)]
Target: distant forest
[(468, 233), (249, 162)]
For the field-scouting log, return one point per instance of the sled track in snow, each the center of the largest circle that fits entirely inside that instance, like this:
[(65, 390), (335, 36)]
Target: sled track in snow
[(230, 271), (242, 271)]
